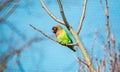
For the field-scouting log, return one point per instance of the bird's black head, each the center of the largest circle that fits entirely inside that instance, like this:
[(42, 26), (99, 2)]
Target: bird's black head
[(54, 30)]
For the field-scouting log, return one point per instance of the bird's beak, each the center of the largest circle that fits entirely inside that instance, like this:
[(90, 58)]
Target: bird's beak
[(53, 30)]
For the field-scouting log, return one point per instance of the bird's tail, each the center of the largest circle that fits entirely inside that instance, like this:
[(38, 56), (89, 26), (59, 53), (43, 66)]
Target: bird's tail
[(72, 48)]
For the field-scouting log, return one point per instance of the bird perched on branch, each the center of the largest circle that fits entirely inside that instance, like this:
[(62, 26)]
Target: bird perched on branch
[(62, 36)]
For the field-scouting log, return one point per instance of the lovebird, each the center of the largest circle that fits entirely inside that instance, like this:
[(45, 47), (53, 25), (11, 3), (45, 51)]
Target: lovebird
[(62, 36)]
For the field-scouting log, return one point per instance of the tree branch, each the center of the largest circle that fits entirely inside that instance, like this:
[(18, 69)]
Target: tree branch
[(4, 4), (108, 33), (63, 15), (82, 17), (10, 11), (115, 54), (50, 13), (44, 33), (80, 61)]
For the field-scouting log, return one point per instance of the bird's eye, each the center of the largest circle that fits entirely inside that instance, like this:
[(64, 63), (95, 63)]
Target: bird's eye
[(55, 29)]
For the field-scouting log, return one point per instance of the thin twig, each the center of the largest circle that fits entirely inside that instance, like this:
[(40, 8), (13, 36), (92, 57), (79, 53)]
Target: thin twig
[(74, 44), (50, 13), (80, 61), (98, 66), (21, 68), (102, 6), (115, 54), (15, 29), (103, 63), (82, 17), (63, 15), (108, 33), (83, 67)]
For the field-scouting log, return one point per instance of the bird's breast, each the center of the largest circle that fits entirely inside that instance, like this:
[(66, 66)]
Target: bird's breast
[(57, 33)]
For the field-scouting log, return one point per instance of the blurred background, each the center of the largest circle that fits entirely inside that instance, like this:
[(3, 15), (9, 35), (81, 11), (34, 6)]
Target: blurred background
[(23, 49)]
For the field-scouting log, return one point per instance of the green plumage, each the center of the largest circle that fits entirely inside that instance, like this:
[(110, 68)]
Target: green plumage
[(63, 37)]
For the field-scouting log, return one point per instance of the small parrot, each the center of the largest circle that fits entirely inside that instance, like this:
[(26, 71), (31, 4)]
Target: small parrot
[(62, 36)]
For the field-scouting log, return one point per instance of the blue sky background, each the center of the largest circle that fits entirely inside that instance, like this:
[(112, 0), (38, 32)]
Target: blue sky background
[(46, 55)]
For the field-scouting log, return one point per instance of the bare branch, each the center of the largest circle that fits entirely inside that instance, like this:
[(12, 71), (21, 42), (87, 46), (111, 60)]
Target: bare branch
[(4, 4), (82, 17), (108, 30), (44, 33), (19, 63), (15, 51), (80, 61), (108, 34), (10, 11), (14, 29), (98, 66), (50, 13), (102, 6), (115, 54), (113, 58), (63, 15)]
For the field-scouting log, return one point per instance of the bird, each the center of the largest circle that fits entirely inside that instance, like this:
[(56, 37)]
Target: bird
[(62, 36)]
